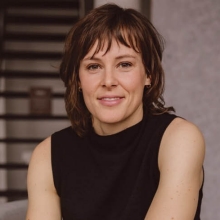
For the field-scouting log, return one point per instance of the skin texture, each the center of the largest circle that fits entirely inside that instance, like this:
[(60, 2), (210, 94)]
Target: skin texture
[(181, 156), (43, 201), (112, 86)]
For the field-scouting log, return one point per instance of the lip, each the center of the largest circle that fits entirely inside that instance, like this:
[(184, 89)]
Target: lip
[(110, 100)]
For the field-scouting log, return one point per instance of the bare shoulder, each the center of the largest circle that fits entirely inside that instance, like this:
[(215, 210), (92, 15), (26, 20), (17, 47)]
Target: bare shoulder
[(182, 132), (43, 201), (40, 159), (180, 162), (40, 162), (182, 144), (42, 150), (182, 126)]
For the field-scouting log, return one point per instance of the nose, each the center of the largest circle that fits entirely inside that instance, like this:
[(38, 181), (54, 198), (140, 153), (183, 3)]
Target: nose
[(109, 78)]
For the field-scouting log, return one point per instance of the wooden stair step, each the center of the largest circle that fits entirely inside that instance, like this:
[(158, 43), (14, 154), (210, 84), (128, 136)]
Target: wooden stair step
[(12, 140), (45, 4), (37, 37), (13, 166), (45, 20), (32, 117), (28, 74), (11, 94), (30, 55)]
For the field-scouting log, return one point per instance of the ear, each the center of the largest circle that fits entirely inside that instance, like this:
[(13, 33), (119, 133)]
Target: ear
[(148, 81), (79, 86)]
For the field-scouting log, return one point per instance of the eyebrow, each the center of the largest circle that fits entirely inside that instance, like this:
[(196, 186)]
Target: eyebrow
[(117, 58)]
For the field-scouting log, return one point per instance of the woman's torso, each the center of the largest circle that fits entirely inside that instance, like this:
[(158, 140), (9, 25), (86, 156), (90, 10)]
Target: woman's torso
[(109, 177)]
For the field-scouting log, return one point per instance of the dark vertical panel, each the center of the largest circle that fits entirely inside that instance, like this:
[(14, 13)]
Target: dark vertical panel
[(1, 27), (146, 8), (89, 4)]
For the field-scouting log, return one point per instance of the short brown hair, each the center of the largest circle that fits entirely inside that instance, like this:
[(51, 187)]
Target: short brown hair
[(103, 24)]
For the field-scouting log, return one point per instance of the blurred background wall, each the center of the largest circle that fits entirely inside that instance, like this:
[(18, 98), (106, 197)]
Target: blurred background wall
[(191, 62), (192, 65)]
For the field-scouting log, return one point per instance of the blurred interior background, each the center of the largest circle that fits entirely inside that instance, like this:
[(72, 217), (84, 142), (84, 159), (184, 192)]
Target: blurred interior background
[(32, 34)]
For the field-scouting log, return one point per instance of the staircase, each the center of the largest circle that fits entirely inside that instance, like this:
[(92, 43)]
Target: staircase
[(31, 42)]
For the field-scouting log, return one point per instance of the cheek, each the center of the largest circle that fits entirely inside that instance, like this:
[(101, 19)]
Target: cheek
[(88, 90), (85, 85), (87, 101), (136, 83), (86, 95), (88, 82)]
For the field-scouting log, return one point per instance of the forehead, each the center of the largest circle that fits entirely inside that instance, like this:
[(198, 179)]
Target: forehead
[(113, 47)]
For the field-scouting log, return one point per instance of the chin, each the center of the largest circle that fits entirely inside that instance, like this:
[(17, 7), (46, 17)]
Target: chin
[(111, 120), (107, 119)]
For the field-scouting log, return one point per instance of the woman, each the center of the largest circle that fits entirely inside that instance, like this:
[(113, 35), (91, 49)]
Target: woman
[(125, 157)]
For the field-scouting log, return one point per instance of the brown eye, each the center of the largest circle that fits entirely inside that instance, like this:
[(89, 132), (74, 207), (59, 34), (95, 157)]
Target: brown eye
[(93, 67), (125, 64)]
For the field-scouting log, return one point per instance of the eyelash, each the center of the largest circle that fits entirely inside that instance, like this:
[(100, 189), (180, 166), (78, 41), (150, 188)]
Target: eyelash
[(122, 65), (125, 64), (91, 67)]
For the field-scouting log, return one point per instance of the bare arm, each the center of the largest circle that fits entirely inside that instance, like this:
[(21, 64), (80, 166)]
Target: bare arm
[(180, 162), (43, 201)]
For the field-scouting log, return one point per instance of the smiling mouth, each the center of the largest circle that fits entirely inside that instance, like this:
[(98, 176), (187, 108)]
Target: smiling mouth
[(110, 99)]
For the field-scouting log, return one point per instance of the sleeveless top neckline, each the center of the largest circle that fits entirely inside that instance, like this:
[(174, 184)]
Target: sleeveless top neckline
[(111, 177), (115, 142)]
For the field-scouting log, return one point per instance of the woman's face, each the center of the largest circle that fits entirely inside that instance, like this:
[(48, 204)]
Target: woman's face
[(112, 85)]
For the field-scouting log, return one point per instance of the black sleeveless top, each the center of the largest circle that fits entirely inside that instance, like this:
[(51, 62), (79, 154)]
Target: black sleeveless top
[(111, 177)]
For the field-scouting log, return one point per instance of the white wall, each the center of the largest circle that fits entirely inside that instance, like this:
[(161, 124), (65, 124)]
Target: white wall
[(192, 64)]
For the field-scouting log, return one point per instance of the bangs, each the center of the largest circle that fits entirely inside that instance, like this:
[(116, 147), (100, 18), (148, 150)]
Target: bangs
[(124, 26), (121, 35)]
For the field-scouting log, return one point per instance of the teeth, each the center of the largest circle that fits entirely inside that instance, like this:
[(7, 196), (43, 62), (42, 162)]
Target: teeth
[(110, 99)]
